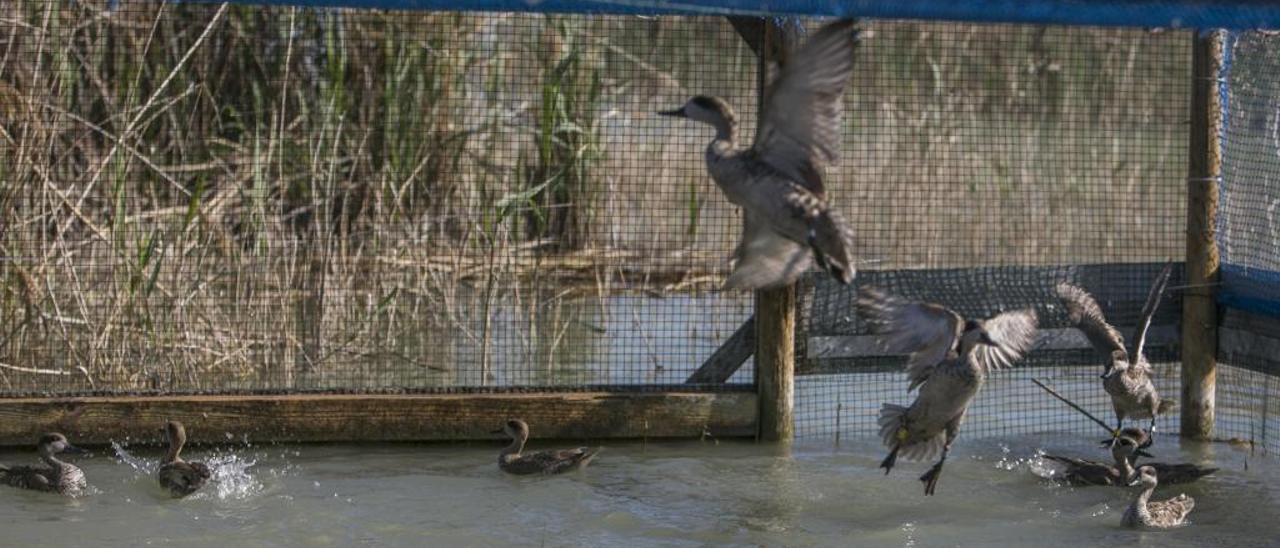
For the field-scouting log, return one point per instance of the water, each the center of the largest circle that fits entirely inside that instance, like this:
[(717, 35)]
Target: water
[(636, 494)]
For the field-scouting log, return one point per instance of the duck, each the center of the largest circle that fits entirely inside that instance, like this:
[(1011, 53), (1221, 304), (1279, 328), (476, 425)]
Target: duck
[(57, 477), (778, 182), (512, 461), (1126, 375), (179, 477), (949, 360), (1125, 451), (1160, 514)]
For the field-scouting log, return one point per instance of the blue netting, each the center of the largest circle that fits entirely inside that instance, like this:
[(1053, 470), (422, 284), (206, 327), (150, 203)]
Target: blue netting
[(1123, 13), (1249, 227)]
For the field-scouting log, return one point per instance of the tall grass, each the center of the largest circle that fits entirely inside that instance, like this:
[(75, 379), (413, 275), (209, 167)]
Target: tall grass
[(336, 198)]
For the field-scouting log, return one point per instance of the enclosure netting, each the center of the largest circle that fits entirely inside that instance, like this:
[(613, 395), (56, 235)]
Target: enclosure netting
[(1249, 240), (206, 198), (244, 198)]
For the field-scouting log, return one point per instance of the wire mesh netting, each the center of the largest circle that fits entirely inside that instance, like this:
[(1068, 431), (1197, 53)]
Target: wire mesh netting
[(1249, 339), (214, 198), (985, 164), (204, 198)]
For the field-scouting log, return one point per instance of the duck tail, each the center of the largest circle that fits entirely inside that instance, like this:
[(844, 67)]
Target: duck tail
[(891, 421), (1166, 406), (832, 244)]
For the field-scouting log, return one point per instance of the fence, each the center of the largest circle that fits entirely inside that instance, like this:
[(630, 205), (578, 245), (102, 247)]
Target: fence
[(252, 200)]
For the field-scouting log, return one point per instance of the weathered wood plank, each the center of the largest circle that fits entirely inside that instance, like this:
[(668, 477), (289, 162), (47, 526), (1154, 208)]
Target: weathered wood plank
[(727, 359), (1199, 308), (426, 417), (1063, 338)]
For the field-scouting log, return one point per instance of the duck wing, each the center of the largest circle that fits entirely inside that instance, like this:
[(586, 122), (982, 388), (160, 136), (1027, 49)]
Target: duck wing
[(1149, 310), (1085, 314), (925, 331), (1013, 334), (561, 460), (1179, 473), (183, 478), (799, 133), (26, 477), (764, 258), (1166, 513), (1085, 472)]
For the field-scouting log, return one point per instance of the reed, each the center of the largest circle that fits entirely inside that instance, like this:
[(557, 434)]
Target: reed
[(202, 197)]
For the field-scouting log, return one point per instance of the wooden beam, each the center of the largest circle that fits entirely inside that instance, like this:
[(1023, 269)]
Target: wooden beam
[(413, 417), (727, 359), (1199, 309)]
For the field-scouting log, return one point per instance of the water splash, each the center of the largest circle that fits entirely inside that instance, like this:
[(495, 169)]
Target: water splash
[(141, 465), (231, 477), (1043, 467)]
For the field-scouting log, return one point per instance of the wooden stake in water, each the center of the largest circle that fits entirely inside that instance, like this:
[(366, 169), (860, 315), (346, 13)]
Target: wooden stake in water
[(1064, 399)]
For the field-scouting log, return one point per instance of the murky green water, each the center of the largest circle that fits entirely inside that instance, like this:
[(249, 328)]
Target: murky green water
[(655, 494)]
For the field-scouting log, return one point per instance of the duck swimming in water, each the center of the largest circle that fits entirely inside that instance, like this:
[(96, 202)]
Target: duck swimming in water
[(512, 461), (778, 182), (949, 360), (1160, 514), (1125, 450), (179, 477), (57, 477)]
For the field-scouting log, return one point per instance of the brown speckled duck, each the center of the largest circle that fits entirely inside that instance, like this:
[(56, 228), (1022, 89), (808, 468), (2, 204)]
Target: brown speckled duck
[(179, 477), (1159, 514), (512, 461), (57, 477)]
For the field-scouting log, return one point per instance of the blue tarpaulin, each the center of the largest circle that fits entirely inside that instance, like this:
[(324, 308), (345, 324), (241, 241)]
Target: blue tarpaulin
[(1129, 13)]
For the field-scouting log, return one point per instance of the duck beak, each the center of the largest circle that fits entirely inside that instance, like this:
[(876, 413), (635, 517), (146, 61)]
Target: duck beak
[(1135, 481), (677, 113), (74, 450)]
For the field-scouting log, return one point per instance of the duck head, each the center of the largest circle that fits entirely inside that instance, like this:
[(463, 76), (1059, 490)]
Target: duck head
[(706, 109), (1118, 363), (1126, 447), (54, 443), (515, 428), (1146, 477), (972, 334)]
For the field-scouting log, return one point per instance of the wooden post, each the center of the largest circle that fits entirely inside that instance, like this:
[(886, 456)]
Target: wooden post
[(775, 308), (775, 362), (1199, 308)]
